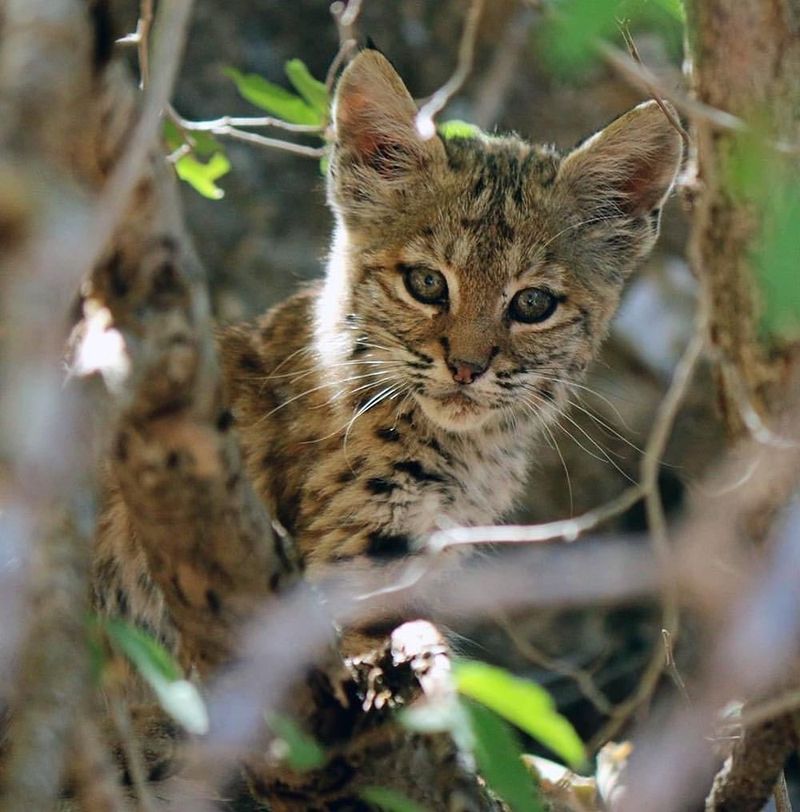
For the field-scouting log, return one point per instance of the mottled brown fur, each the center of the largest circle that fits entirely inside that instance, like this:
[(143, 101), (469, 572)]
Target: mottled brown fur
[(354, 428)]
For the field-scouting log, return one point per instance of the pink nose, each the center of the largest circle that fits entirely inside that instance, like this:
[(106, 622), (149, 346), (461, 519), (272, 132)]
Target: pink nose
[(465, 372)]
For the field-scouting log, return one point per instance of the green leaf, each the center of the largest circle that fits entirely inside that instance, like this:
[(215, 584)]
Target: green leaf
[(500, 760), (758, 175), (204, 144), (568, 39), (202, 176), (98, 656), (439, 717), (273, 98), (311, 89), (674, 8), (778, 263), (389, 800), (157, 667), (458, 129), (302, 751), (172, 135), (524, 704)]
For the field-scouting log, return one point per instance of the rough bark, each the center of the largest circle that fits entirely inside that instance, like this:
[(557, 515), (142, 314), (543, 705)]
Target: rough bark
[(745, 57), (745, 60), (746, 782)]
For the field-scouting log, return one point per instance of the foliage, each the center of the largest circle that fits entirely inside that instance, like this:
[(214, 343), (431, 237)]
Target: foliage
[(475, 720), (498, 754), (309, 106), (176, 695), (389, 800), (455, 128), (569, 39), (201, 175), (302, 752), (276, 100), (770, 182), (524, 704)]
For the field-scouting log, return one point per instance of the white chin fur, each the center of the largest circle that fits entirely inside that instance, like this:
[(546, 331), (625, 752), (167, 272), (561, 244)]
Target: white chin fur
[(452, 416)]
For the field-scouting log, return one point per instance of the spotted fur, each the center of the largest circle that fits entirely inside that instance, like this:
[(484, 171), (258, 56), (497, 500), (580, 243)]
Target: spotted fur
[(354, 426)]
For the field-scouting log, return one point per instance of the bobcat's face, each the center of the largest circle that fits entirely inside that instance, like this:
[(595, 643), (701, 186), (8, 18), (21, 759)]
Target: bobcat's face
[(478, 275)]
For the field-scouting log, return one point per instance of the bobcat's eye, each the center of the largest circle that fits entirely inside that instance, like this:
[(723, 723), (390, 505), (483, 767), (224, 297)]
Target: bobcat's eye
[(425, 284), (533, 305)]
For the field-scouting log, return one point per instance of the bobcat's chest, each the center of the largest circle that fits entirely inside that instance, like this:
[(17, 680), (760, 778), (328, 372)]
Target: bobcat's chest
[(396, 481)]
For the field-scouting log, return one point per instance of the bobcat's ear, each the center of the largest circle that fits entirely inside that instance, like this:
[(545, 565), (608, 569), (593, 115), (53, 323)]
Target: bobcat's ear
[(632, 163), (375, 119)]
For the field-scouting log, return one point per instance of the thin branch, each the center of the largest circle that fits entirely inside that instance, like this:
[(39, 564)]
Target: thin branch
[(640, 76), (269, 143), (215, 124), (564, 529), (672, 667), (581, 677), (143, 34), (466, 55), (650, 466), (345, 14), (342, 55), (673, 120), (497, 80), (758, 713)]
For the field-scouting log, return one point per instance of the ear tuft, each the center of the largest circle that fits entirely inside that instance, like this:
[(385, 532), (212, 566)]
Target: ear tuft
[(375, 118), (633, 162)]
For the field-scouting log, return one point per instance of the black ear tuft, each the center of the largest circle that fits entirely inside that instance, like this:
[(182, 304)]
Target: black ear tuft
[(370, 45)]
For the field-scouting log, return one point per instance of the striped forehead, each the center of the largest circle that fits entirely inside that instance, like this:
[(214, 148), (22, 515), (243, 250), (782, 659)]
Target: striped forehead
[(490, 218)]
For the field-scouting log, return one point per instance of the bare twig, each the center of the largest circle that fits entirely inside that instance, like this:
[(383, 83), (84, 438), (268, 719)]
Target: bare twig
[(466, 54), (497, 80), (755, 713), (640, 76), (563, 529), (345, 13), (342, 55), (215, 124), (270, 143), (673, 120), (671, 666), (582, 678), (650, 466), (143, 34)]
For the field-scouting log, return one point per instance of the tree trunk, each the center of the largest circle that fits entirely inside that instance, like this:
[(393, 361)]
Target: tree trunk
[(745, 58)]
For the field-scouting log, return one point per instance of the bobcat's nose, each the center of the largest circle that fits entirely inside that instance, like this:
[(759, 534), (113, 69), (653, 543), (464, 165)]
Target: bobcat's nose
[(466, 371)]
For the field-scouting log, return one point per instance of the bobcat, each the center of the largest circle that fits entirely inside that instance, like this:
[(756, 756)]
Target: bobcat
[(470, 282)]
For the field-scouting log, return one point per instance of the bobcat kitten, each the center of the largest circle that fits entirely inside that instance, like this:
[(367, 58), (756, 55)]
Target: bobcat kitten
[(469, 283)]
